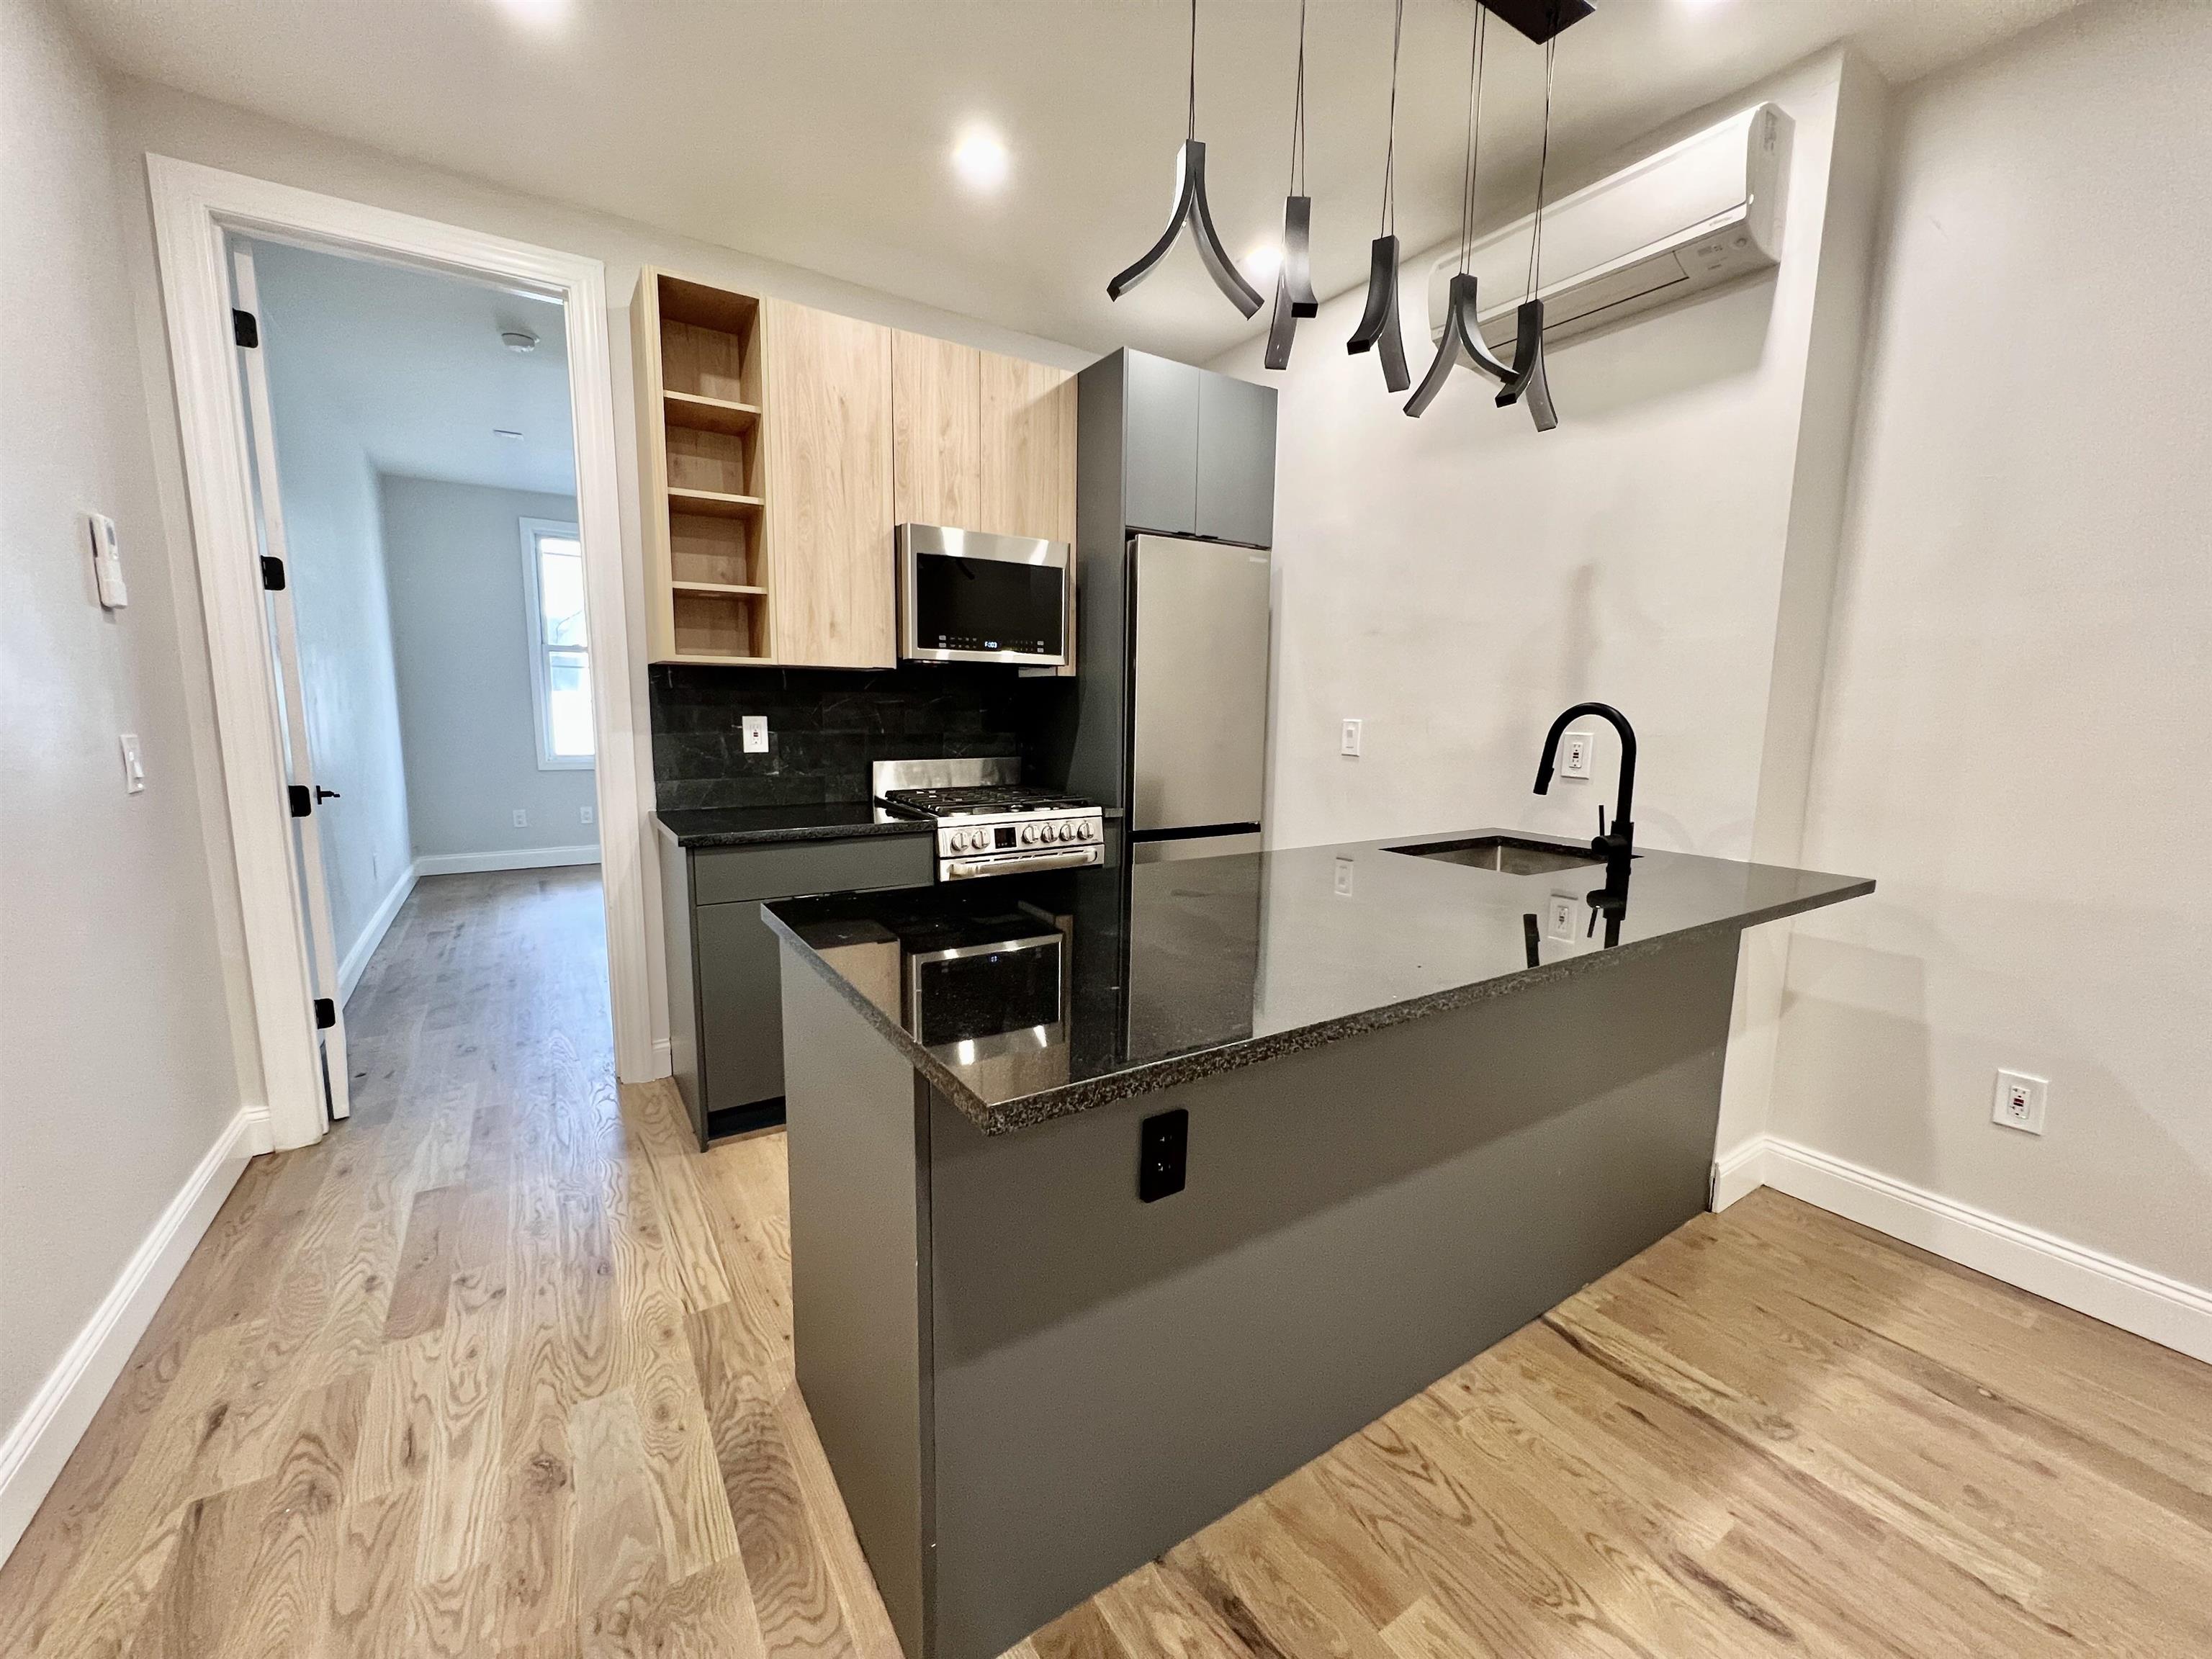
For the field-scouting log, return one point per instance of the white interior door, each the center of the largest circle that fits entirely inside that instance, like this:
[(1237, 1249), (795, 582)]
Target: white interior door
[(305, 796)]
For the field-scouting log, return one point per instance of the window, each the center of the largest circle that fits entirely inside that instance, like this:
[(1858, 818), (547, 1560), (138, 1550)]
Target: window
[(561, 651)]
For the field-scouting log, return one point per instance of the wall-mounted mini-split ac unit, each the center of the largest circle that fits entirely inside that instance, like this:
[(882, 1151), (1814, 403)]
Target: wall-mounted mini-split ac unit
[(1700, 213)]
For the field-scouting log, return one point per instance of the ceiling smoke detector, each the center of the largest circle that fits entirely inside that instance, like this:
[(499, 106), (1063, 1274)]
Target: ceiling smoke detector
[(518, 339), (508, 433)]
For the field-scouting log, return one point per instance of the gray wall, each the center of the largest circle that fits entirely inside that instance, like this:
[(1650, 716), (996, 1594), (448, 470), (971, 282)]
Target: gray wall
[(461, 637), (339, 603), (116, 1074)]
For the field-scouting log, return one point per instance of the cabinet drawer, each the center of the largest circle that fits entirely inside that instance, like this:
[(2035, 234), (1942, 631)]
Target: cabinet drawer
[(725, 875)]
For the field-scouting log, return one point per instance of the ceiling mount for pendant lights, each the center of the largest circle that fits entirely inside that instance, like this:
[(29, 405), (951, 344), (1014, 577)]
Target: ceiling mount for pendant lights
[(1191, 208), (1462, 341), (1378, 323), (1294, 294)]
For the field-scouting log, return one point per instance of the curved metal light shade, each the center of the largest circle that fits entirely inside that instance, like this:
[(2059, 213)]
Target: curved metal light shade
[(1191, 209), (1528, 379), (1293, 278), (1378, 324), (1462, 344)]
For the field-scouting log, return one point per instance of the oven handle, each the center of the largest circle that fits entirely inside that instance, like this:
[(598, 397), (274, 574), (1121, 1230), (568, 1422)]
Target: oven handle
[(965, 869)]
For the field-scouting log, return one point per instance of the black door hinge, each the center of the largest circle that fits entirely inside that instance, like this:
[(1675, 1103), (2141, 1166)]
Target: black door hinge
[(243, 328), (273, 574), (326, 1013), (302, 802)]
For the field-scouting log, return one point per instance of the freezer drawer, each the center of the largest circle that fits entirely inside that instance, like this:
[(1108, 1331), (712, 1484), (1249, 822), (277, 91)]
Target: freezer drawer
[(1199, 711)]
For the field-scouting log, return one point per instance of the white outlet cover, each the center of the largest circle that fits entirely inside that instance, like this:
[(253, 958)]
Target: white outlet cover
[(756, 730), (2019, 1102), (1561, 915), (1575, 755), (521, 819), (1344, 877), (1349, 744), (584, 813)]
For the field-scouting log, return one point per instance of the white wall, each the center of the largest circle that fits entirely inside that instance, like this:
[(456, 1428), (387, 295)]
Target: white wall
[(147, 117), (339, 605), (2014, 737), (461, 627), (116, 1075)]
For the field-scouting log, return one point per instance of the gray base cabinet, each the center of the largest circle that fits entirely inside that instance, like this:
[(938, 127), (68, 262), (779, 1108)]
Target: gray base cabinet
[(724, 992)]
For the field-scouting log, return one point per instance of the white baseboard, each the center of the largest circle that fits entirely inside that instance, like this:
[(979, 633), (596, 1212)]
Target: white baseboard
[(2165, 1311), (356, 960), (523, 858), (34, 1451)]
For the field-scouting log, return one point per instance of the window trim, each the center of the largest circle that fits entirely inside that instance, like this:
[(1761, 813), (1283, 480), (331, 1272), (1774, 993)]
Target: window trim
[(534, 630)]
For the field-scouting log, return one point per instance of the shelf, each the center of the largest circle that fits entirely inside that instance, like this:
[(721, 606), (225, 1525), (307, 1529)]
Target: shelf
[(712, 504), (735, 589), (698, 414)]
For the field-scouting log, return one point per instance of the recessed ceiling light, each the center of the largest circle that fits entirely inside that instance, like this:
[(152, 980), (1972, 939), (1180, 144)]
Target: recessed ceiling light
[(1261, 263), (539, 14), (980, 158), (508, 432)]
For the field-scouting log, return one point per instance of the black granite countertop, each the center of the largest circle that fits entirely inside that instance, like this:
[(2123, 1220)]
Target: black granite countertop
[(754, 826), (1026, 998)]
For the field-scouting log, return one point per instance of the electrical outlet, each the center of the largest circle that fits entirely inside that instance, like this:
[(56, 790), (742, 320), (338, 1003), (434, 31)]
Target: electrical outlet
[(521, 819), (2019, 1102), (1349, 744), (1344, 877), (1575, 755), (755, 731), (1559, 915), (584, 814)]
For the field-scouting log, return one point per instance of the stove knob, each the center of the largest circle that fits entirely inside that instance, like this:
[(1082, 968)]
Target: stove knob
[(1062, 831), (1087, 830), (1029, 835)]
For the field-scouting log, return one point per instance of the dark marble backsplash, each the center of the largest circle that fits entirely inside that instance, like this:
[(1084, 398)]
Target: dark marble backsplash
[(826, 726)]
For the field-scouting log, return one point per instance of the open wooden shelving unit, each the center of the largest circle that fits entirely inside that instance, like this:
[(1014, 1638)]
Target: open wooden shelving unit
[(699, 364)]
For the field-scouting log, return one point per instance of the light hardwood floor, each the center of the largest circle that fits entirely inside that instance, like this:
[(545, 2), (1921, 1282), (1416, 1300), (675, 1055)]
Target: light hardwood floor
[(502, 1367)]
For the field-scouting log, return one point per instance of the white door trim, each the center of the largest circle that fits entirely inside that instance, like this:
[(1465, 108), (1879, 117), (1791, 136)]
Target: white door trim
[(193, 207)]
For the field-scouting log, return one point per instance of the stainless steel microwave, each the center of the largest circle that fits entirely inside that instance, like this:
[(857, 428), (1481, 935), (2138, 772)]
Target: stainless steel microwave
[(965, 596)]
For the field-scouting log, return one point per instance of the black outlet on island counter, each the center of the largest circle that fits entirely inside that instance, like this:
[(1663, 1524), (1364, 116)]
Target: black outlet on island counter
[(1163, 1141)]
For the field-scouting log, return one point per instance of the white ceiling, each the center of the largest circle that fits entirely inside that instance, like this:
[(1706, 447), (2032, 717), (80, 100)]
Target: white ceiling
[(409, 364), (817, 131)]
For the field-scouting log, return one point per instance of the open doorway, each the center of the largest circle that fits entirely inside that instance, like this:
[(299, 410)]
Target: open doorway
[(410, 433)]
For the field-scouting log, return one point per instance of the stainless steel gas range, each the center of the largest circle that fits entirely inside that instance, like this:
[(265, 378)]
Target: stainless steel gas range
[(988, 824)]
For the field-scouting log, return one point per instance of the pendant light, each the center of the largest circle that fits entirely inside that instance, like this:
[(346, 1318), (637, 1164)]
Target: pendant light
[(1190, 209), (1378, 323), (1462, 340), (1529, 321), (1294, 294)]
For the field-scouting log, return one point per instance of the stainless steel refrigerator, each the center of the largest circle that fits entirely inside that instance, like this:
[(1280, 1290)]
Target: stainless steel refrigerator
[(1193, 683)]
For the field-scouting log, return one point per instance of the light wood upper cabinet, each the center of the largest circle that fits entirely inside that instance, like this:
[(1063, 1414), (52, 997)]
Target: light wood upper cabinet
[(827, 465), (937, 425), (1028, 449)]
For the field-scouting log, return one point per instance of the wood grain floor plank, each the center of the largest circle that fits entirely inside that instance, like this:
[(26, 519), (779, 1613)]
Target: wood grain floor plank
[(502, 1369)]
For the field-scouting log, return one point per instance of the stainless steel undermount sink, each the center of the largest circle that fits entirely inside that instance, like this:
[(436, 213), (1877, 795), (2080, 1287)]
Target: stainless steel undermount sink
[(1509, 854)]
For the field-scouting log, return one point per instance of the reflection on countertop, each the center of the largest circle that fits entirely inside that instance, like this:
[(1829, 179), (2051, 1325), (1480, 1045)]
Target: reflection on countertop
[(1027, 998)]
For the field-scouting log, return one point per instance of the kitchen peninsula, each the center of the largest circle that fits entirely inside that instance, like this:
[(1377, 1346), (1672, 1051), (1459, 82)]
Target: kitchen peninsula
[(1117, 1195)]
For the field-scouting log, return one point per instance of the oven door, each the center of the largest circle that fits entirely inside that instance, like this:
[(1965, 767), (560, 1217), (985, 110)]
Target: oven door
[(967, 597), (987, 999)]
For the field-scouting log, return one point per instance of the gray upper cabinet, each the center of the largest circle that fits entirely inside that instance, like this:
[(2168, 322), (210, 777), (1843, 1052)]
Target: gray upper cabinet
[(1236, 460), (1174, 450), (1159, 474)]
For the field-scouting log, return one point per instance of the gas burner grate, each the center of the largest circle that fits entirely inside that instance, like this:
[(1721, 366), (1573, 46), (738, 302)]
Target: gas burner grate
[(980, 798)]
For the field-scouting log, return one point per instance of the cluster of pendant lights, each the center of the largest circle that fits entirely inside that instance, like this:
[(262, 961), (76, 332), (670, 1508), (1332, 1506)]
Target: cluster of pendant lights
[(1521, 379)]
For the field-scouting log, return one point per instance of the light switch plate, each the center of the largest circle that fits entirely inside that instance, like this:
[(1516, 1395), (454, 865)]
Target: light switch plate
[(1349, 743), (521, 819), (756, 730), (106, 563), (134, 768), (2019, 1101), (1344, 877), (584, 813), (1560, 915), (1575, 755)]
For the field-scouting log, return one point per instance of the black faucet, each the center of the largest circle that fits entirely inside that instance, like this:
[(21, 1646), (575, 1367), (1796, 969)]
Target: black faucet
[(1616, 846)]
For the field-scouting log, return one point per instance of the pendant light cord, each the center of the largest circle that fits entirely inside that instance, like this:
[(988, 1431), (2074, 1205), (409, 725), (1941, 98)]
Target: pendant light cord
[(1190, 129), (1474, 157), (1543, 169), (1390, 146), (1298, 111)]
